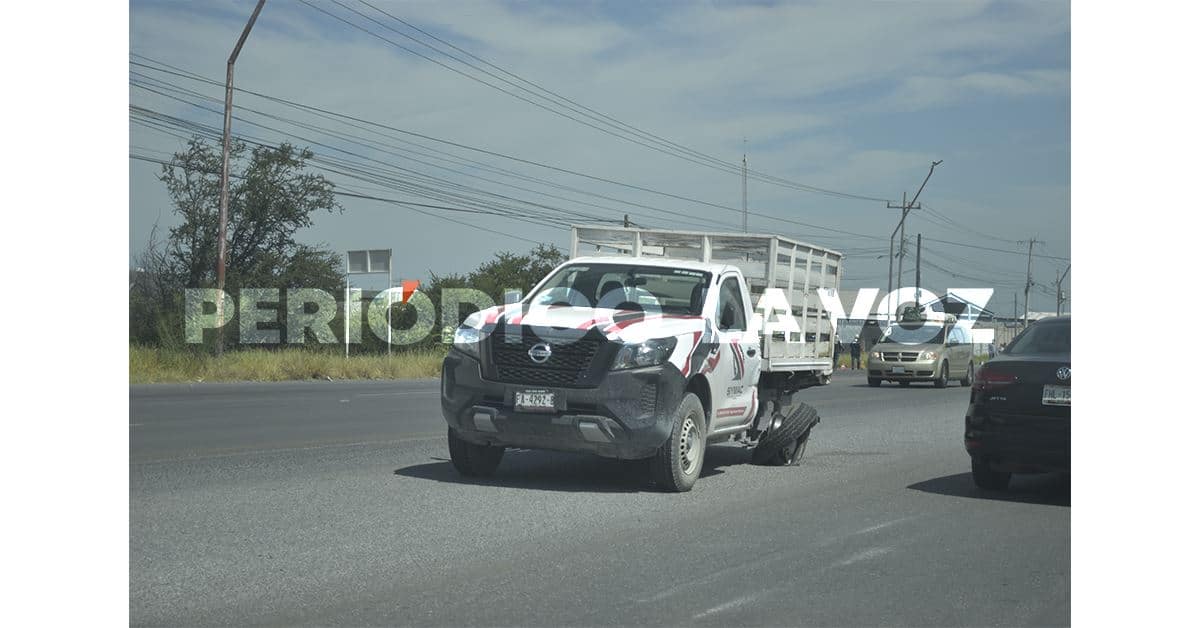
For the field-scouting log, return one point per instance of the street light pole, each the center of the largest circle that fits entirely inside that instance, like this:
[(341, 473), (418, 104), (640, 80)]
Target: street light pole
[(223, 220)]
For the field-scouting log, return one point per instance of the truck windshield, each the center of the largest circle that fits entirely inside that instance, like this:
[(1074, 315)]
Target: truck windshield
[(627, 287), (914, 334)]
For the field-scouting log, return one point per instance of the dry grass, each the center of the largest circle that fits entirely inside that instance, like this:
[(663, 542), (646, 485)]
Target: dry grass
[(151, 365)]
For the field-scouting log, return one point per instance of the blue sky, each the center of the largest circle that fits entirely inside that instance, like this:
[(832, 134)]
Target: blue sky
[(852, 96)]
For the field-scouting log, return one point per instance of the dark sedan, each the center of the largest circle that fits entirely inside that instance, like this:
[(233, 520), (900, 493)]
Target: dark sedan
[(1019, 418)]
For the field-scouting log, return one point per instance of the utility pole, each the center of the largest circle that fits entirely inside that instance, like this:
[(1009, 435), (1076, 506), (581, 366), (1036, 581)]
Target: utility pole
[(223, 219), (1028, 278), (1059, 299), (906, 206), (919, 272), (745, 207)]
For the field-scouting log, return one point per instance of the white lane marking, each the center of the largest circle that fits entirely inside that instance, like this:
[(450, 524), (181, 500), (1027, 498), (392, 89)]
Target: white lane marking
[(885, 524), (867, 554), (730, 605), (135, 424)]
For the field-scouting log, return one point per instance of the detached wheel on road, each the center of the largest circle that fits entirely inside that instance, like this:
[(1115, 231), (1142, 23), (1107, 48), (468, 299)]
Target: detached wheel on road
[(942, 376), (785, 445), (471, 460), (873, 382), (988, 479), (678, 461), (969, 378)]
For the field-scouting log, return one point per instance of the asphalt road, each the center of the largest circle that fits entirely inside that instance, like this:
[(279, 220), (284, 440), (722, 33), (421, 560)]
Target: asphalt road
[(333, 503)]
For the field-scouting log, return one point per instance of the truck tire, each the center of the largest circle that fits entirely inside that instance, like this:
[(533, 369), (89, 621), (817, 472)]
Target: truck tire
[(678, 461), (969, 378), (786, 444), (473, 460), (987, 479), (942, 376)]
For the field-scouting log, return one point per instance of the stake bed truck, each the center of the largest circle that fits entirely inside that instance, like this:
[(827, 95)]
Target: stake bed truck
[(643, 345)]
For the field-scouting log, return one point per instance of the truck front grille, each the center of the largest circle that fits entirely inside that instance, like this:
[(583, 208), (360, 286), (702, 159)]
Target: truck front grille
[(570, 359)]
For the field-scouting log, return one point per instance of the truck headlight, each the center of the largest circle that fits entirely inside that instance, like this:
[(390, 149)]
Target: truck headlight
[(929, 355), (649, 353), (466, 339)]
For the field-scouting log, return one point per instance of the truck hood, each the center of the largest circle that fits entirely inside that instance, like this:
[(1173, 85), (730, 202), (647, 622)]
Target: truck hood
[(617, 325)]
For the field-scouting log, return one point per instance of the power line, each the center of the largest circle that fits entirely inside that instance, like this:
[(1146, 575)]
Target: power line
[(540, 164), (643, 138), (413, 206)]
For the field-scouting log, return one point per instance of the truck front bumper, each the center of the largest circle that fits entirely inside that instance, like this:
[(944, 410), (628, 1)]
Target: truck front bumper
[(629, 415)]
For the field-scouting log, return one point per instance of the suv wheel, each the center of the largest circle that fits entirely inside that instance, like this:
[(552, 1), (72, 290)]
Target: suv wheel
[(988, 479), (473, 460), (873, 382), (678, 461), (969, 378), (942, 377)]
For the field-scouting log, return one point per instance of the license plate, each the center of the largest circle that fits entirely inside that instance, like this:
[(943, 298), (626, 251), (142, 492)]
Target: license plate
[(898, 369), (534, 400), (1056, 395)]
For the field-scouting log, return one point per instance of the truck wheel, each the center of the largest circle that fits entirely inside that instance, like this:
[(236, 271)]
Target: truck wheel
[(988, 479), (473, 460), (785, 445), (969, 377), (678, 461), (873, 382), (942, 376)]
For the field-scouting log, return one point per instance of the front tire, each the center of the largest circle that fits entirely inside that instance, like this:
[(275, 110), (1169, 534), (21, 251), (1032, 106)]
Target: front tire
[(969, 378), (943, 376), (873, 382), (471, 460), (678, 461), (988, 479)]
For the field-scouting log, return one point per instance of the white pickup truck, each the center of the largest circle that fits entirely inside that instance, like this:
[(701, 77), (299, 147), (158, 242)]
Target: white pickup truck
[(644, 345)]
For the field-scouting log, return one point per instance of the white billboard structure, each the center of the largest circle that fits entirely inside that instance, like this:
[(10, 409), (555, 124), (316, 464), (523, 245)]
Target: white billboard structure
[(369, 262)]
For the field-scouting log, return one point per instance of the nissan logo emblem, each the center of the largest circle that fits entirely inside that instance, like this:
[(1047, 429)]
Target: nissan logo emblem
[(540, 352), (1064, 373)]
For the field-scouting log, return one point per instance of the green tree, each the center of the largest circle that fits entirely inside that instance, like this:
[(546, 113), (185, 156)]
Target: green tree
[(271, 198), (509, 271)]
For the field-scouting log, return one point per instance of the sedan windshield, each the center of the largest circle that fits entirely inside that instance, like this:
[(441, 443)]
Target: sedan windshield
[(1043, 338), (626, 286)]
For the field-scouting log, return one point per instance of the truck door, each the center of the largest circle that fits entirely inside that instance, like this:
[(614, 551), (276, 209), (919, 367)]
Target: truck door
[(736, 359)]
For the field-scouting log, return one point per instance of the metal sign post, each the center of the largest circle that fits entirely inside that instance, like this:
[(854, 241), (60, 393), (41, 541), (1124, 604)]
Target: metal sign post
[(368, 262)]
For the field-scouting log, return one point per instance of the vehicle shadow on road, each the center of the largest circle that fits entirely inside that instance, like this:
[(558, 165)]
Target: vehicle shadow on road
[(553, 471), (1051, 489)]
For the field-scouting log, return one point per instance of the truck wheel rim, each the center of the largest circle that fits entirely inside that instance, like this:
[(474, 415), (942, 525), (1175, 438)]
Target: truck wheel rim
[(689, 446)]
